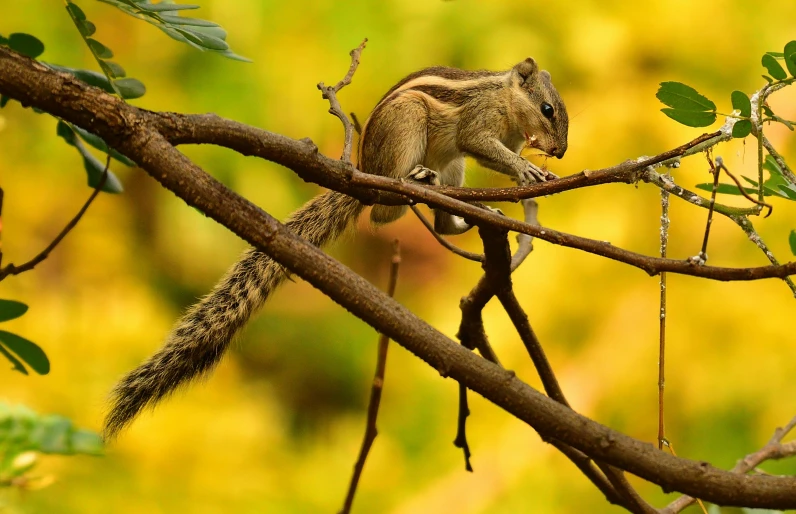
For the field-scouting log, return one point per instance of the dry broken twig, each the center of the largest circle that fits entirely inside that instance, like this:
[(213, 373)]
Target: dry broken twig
[(375, 392)]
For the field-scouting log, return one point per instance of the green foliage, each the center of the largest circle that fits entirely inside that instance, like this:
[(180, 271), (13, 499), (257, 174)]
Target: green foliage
[(94, 168), (25, 44), (24, 434), (773, 67), (792, 241), (9, 309), (776, 185), (686, 105), (789, 55), (18, 349), (127, 88), (741, 102), (201, 34)]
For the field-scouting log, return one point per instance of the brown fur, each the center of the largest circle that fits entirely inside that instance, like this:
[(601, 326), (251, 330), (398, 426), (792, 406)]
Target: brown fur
[(420, 130)]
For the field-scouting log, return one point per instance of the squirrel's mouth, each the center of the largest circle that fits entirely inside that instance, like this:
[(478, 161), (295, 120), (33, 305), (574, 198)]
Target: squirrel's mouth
[(531, 141)]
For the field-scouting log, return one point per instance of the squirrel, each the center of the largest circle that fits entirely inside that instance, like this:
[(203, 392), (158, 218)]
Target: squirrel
[(420, 130)]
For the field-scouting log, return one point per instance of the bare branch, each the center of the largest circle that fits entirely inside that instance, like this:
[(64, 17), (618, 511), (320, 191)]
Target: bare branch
[(375, 393), (330, 93), (773, 450), (662, 315), (11, 269), (477, 257)]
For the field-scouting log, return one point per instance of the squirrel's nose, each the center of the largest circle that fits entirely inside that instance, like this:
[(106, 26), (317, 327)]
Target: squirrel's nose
[(559, 151)]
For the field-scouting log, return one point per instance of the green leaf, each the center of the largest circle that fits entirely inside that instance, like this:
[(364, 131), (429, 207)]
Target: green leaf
[(98, 143), (23, 430), (76, 12), (789, 55), (9, 309), (100, 50), (786, 191), (86, 28), (166, 7), (27, 351), (216, 32), (682, 97), (94, 168), (773, 67), (741, 102), (16, 365), (203, 40), (778, 55), (26, 44), (725, 189), (691, 118), (130, 88), (742, 128), (182, 20), (4, 100), (112, 69)]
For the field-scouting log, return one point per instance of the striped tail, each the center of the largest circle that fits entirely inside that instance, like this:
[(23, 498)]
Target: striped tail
[(202, 336)]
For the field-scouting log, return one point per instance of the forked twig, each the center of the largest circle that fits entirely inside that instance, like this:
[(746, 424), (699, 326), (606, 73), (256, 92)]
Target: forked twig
[(330, 93), (471, 330), (477, 257), (11, 269), (375, 392), (773, 450)]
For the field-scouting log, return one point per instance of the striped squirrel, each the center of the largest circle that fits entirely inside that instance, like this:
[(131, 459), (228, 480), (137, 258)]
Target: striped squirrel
[(421, 130)]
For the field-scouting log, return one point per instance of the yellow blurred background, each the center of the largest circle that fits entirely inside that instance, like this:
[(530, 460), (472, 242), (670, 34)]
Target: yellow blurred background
[(277, 426)]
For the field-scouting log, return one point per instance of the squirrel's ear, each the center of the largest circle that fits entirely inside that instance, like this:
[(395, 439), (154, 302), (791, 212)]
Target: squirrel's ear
[(526, 68)]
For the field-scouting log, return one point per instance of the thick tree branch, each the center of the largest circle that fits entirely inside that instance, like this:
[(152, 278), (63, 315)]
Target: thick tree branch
[(133, 132), (64, 96)]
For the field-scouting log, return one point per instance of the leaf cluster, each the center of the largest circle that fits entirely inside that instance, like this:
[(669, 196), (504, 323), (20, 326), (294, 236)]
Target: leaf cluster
[(24, 434), (17, 349)]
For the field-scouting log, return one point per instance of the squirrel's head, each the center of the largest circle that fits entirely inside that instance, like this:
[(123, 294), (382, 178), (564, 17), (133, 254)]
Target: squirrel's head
[(540, 112)]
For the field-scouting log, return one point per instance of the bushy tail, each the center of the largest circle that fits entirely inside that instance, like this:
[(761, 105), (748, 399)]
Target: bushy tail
[(202, 335)]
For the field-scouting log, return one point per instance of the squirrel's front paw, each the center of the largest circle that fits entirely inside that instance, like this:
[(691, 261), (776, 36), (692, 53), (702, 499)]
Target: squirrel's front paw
[(532, 174), (424, 175)]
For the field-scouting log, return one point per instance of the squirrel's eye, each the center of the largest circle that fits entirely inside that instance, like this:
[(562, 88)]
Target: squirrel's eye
[(547, 110)]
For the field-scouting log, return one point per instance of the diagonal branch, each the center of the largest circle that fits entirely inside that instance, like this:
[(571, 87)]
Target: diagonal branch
[(773, 450), (11, 269), (375, 393)]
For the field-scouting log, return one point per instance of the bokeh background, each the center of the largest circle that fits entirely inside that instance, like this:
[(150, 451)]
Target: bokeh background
[(277, 426)]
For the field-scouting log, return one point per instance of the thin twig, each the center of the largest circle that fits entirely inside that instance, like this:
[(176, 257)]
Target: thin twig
[(477, 257), (497, 268), (774, 449), (330, 93), (751, 233), (471, 330), (786, 171), (662, 315), (11, 269), (375, 393), (737, 215), (760, 202), (702, 258)]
